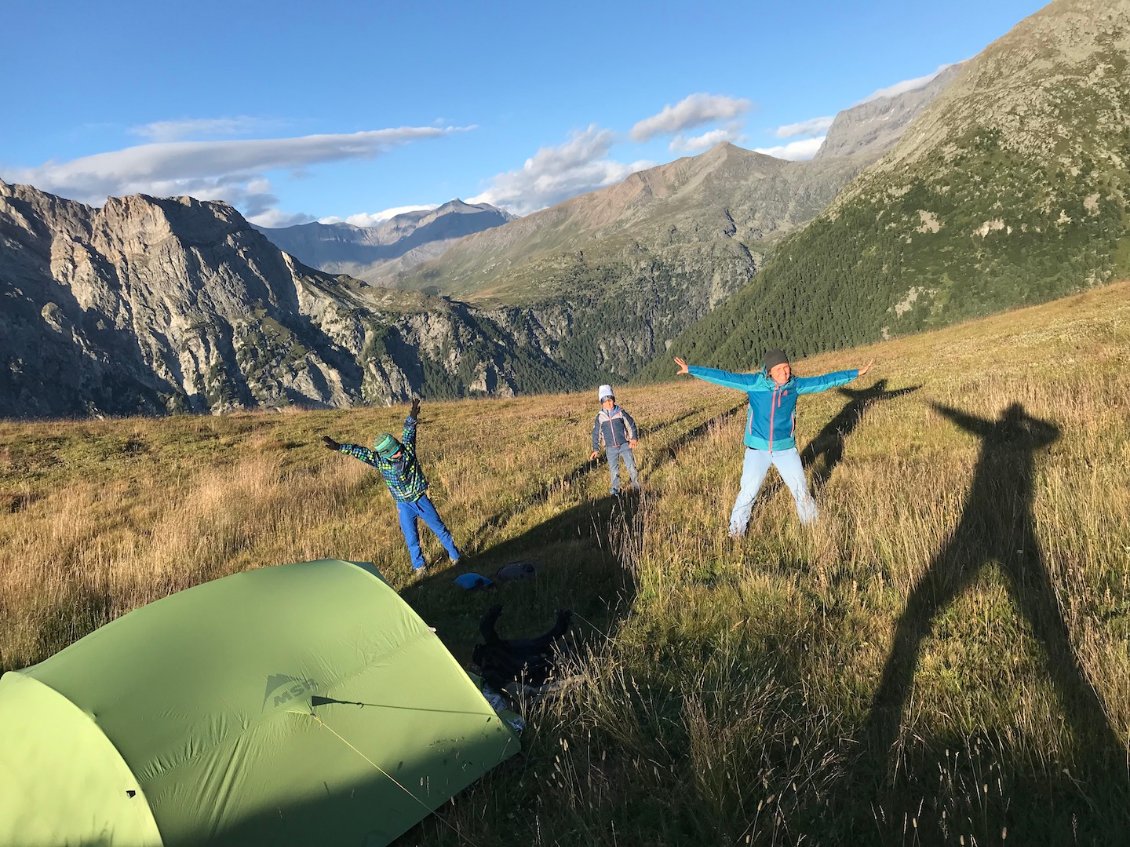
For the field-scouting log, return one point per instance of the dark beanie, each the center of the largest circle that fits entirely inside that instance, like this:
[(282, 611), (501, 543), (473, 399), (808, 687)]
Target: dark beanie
[(774, 358)]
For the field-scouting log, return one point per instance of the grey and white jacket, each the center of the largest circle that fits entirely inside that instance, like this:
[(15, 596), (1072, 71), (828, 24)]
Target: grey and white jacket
[(613, 429)]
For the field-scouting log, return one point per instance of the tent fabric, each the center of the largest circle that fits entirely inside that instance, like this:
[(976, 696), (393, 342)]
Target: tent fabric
[(297, 704), (88, 795)]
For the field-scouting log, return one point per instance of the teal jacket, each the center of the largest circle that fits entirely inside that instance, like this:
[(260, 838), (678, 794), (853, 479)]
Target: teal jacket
[(405, 479), (772, 408)]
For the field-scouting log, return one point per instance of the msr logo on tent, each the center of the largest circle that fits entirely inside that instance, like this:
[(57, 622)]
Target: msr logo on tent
[(283, 689)]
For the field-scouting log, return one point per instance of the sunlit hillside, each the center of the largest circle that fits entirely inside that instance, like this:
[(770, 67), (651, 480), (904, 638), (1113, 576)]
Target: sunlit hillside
[(998, 196), (945, 659)]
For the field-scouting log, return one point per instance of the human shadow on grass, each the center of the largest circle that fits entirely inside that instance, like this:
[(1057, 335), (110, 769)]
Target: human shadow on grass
[(584, 563), (671, 449), (582, 557), (996, 525), (541, 494), (825, 451)]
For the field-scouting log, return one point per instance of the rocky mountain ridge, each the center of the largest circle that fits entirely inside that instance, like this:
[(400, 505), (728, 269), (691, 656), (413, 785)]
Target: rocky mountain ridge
[(727, 200), (635, 264), (377, 253), (878, 123), (154, 305)]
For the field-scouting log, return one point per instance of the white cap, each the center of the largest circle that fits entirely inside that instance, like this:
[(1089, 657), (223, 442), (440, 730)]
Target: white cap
[(605, 391)]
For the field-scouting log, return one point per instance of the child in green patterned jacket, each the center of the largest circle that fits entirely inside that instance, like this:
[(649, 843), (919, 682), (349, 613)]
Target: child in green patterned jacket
[(398, 465)]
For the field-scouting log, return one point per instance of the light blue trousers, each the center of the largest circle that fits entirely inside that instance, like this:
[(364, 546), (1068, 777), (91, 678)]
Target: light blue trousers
[(754, 468), (615, 456)]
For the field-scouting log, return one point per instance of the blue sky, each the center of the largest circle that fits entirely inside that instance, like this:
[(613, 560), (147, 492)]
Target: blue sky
[(347, 110)]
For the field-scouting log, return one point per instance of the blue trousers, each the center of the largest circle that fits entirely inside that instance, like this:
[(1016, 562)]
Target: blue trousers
[(754, 468), (423, 509)]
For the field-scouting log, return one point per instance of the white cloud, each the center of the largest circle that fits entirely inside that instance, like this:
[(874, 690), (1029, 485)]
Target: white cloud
[(906, 85), (211, 170), (159, 131), (364, 219), (695, 110), (275, 219), (555, 174), (813, 126), (698, 143), (794, 151)]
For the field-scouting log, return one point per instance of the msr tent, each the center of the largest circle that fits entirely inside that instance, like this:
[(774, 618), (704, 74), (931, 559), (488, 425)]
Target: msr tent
[(300, 704)]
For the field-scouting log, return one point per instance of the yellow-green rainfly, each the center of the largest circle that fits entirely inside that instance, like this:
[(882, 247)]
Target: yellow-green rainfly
[(298, 704)]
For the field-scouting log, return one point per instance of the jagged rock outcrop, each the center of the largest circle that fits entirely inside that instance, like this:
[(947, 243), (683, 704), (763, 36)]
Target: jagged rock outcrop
[(154, 305)]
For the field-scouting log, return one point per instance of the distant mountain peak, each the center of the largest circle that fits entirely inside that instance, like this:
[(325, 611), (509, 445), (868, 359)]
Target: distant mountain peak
[(724, 149), (743, 197), (153, 304), (373, 252)]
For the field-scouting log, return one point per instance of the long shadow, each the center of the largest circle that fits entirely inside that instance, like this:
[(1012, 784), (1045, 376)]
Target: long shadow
[(504, 516), (580, 555), (996, 526), (582, 563), (668, 451), (671, 450), (826, 450)]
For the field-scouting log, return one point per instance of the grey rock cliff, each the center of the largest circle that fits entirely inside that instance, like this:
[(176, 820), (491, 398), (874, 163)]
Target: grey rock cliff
[(154, 305), (877, 125)]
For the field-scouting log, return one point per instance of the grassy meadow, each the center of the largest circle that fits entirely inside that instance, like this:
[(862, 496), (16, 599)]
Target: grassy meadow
[(943, 659)]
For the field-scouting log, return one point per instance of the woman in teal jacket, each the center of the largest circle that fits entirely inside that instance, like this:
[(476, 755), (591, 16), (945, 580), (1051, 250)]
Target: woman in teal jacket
[(770, 427)]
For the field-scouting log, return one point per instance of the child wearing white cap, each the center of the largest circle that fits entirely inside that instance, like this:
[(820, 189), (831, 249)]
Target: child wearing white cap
[(615, 429)]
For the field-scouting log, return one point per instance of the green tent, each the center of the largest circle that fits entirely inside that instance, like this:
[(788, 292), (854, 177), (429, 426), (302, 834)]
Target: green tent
[(301, 704)]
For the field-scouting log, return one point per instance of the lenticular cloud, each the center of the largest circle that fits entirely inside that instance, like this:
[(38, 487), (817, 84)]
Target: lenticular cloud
[(152, 168)]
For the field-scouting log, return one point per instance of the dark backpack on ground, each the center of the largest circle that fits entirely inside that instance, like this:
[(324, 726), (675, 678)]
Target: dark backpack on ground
[(527, 660)]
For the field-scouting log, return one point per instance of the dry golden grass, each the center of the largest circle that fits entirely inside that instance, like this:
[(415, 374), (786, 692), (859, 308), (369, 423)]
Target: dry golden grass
[(728, 695)]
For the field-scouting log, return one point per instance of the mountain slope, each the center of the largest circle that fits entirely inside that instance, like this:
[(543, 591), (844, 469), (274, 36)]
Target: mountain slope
[(727, 195), (154, 305), (674, 213), (628, 267), (1010, 188), (378, 252)]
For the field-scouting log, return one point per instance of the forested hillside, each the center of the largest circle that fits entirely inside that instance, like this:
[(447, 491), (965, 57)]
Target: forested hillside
[(999, 195)]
